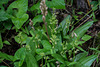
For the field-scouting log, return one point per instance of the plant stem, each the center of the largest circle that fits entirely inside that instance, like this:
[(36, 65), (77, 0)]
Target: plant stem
[(45, 24), (85, 15), (4, 63)]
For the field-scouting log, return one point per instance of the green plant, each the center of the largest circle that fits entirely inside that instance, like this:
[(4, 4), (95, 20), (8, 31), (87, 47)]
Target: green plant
[(51, 44)]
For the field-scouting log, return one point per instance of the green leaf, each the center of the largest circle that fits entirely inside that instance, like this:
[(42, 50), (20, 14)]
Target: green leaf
[(35, 6), (80, 13), (46, 45), (70, 64), (21, 38), (3, 66), (48, 65), (64, 25), (86, 61), (38, 57), (80, 56), (3, 2), (80, 48), (18, 11), (3, 15), (1, 43), (52, 64), (58, 57), (36, 19), (7, 42), (59, 43), (86, 37), (7, 25), (58, 4), (82, 30), (20, 55), (30, 45), (18, 22), (7, 57), (99, 4), (98, 51), (30, 60), (76, 17), (43, 52)]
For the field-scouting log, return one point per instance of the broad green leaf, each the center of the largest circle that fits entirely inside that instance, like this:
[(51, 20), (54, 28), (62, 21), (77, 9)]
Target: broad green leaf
[(30, 60), (20, 55), (7, 42), (3, 15), (58, 4), (18, 11), (18, 22), (7, 57), (82, 30), (1, 43), (20, 6), (36, 19), (80, 56), (46, 45), (86, 37), (35, 6), (86, 61), (58, 57)]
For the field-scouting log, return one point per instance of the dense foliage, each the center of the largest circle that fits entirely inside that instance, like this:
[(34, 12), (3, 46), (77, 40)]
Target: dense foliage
[(43, 41)]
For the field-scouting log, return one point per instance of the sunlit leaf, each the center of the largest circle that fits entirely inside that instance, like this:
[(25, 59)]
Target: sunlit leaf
[(86, 37), (6, 42), (18, 11)]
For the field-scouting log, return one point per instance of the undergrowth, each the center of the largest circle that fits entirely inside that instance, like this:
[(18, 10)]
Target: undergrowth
[(43, 41)]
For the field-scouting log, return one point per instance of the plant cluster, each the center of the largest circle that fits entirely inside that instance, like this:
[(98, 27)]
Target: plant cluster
[(43, 41)]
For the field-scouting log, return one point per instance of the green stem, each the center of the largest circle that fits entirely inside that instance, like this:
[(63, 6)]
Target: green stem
[(85, 15)]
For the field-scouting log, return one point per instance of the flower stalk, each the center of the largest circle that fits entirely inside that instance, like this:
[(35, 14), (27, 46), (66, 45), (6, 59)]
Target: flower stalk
[(44, 12)]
